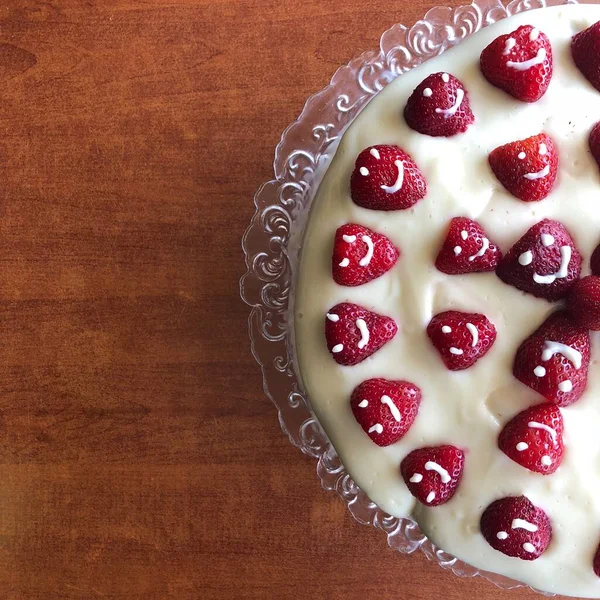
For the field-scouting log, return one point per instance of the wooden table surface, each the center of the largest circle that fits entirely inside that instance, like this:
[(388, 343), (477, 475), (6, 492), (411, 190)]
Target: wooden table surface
[(139, 457)]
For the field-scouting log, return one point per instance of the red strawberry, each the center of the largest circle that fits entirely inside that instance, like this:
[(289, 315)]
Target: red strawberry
[(554, 360), (584, 302), (519, 63), (353, 333), (461, 338), (534, 439), (595, 261), (467, 249), (361, 255), (527, 168), (432, 474), (439, 107), (594, 142), (597, 562), (544, 262), (385, 409), (386, 178), (586, 53), (515, 527)]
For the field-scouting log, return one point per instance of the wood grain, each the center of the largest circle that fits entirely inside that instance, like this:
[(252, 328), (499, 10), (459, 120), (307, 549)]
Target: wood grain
[(139, 458)]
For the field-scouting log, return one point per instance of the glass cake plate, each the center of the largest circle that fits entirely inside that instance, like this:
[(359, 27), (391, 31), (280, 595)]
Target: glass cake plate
[(272, 242)]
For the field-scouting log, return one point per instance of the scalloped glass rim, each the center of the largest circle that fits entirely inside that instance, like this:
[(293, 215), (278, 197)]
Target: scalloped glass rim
[(271, 243)]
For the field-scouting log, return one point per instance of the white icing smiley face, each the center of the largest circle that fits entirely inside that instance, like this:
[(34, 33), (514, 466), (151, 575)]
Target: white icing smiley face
[(520, 524), (458, 98), (378, 428), (525, 65), (474, 333), (485, 244), (365, 261), (542, 173), (435, 467), (526, 258), (398, 183), (549, 349)]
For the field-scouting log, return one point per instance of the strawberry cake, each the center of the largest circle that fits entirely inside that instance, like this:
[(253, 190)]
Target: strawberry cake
[(448, 299)]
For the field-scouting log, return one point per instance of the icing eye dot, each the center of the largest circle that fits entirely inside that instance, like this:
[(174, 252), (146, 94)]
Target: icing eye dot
[(364, 171), (464, 235), (534, 35), (543, 149), (457, 250), (427, 92), (547, 239), (522, 156), (509, 45), (565, 386), (445, 77), (446, 329)]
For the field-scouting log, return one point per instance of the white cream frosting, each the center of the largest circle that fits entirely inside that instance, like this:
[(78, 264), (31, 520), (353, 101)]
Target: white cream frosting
[(467, 408)]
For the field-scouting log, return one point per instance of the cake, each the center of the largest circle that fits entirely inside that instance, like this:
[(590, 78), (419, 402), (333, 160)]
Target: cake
[(447, 302)]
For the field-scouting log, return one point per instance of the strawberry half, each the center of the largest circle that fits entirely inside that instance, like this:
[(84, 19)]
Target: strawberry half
[(586, 53), (361, 255), (353, 333), (439, 107), (584, 302), (527, 168), (520, 63), (554, 360), (594, 142), (544, 262), (534, 438), (461, 338), (467, 249), (595, 261), (432, 474), (385, 409), (516, 527), (386, 178), (596, 564)]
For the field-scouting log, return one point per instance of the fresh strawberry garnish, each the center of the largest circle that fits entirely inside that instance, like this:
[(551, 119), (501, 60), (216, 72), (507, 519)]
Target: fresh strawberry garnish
[(594, 142), (544, 262), (439, 107), (520, 63), (586, 53), (432, 474), (534, 438), (554, 360), (515, 527), (584, 302), (386, 178), (385, 409), (461, 338), (527, 168), (361, 255), (353, 333), (467, 249), (596, 564), (595, 261)]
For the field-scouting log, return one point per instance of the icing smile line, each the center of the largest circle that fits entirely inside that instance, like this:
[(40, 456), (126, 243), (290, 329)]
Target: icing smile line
[(539, 175), (539, 58), (392, 189), (449, 112)]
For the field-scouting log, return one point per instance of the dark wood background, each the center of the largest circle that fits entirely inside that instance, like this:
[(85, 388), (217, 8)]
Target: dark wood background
[(139, 458)]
